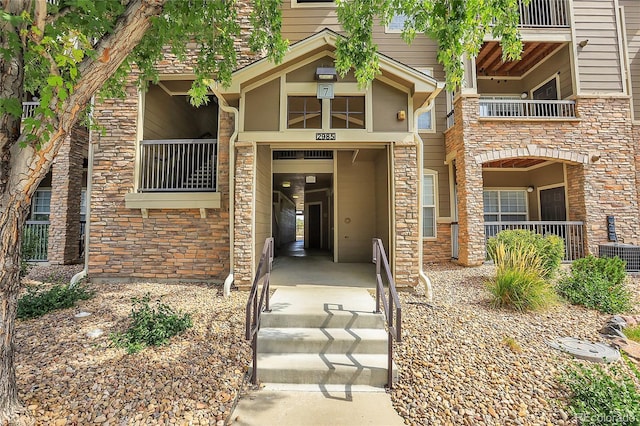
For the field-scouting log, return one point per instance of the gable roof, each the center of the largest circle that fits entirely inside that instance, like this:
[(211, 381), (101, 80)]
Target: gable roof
[(325, 41)]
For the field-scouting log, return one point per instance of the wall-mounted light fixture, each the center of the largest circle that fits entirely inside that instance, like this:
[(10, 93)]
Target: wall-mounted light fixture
[(524, 95), (530, 188), (286, 184), (326, 74), (401, 115), (584, 42), (310, 179)]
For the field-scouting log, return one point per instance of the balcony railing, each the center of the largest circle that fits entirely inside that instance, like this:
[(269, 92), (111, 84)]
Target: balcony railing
[(544, 13), (451, 119), (35, 240), (454, 240), (178, 165), (28, 108), (517, 108), (571, 232)]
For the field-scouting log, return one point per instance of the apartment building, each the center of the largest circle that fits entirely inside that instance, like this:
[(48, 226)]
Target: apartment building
[(545, 143)]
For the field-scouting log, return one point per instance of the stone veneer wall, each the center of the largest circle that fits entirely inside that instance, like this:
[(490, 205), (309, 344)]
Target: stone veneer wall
[(244, 211), (438, 250), (169, 244), (66, 193), (406, 182), (596, 188)]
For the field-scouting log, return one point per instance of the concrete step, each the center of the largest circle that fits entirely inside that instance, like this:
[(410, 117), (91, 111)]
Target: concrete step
[(354, 369), (322, 319), (322, 340)]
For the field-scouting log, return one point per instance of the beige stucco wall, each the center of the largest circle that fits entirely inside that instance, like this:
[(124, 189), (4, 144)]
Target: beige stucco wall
[(262, 107)]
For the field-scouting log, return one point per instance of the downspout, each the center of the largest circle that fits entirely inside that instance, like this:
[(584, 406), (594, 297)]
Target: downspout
[(232, 160), (425, 107), (82, 274)]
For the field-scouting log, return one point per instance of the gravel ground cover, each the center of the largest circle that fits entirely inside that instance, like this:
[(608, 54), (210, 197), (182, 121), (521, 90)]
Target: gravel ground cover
[(66, 377), (456, 368)]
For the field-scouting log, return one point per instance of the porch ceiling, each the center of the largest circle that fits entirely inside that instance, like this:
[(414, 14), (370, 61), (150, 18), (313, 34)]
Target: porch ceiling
[(489, 60), (514, 163)]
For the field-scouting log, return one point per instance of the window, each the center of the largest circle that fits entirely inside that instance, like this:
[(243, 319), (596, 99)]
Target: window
[(83, 205), (41, 205), (505, 205), (304, 112), (429, 185), (396, 25), (347, 112), (313, 3), (425, 120)]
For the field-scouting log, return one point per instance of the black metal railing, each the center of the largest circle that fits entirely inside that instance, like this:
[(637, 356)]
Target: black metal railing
[(255, 305), (392, 308)]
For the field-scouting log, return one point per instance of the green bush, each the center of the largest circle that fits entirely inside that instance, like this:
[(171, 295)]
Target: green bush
[(550, 248), (150, 326), (597, 283), (37, 301), (600, 397), (519, 282)]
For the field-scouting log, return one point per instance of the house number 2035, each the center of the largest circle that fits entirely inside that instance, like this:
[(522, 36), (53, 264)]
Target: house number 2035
[(325, 136)]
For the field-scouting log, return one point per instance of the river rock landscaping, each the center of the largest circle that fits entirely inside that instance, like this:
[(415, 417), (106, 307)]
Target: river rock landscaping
[(461, 361)]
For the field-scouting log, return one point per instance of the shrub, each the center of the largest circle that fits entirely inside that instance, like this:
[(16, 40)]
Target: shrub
[(150, 326), (597, 283), (550, 248), (519, 281), (600, 397), (37, 302)]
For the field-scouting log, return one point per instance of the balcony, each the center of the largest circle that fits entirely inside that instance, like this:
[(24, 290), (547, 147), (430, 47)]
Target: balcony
[(544, 14), (28, 108), (495, 107), (178, 165)]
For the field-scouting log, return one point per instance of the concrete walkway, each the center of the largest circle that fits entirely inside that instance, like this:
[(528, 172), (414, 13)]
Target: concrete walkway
[(310, 405), (321, 270)]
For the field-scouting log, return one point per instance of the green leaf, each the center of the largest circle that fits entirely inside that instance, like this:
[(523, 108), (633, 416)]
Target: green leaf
[(54, 81)]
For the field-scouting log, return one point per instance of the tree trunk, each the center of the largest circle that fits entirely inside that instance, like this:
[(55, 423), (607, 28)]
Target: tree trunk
[(22, 169)]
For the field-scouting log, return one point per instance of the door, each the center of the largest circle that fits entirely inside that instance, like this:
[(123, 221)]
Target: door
[(552, 204), (314, 227)]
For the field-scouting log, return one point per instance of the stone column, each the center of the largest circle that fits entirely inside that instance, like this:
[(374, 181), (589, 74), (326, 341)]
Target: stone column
[(67, 182), (244, 212), (470, 211), (407, 227)]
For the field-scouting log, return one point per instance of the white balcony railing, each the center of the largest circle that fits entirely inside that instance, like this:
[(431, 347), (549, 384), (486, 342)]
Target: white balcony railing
[(544, 13), (178, 165), (571, 232), (450, 119), (454, 240), (28, 108), (35, 240), (517, 108)]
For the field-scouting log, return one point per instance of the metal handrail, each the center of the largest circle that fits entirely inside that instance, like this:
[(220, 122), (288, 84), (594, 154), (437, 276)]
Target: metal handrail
[(256, 306), (391, 305)]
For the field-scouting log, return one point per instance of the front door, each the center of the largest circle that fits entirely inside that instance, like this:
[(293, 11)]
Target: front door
[(552, 204), (314, 226)]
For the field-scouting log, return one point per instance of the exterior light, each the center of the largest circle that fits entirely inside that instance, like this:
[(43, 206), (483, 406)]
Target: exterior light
[(326, 74), (583, 43), (530, 188), (523, 95), (286, 184), (310, 179)]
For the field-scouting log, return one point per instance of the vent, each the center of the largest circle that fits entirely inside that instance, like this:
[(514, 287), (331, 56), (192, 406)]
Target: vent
[(303, 155), (627, 252)]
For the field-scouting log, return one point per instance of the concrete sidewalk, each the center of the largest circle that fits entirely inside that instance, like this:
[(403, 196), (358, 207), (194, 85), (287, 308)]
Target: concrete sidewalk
[(315, 405)]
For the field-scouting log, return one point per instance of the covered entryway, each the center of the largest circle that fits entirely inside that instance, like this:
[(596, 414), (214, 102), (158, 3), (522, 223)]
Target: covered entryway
[(338, 201)]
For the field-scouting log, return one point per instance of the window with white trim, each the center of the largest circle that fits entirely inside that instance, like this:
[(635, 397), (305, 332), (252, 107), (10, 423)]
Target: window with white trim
[(429, 186), (396, 24), (505, 205), (41, 205), (425, 120)]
